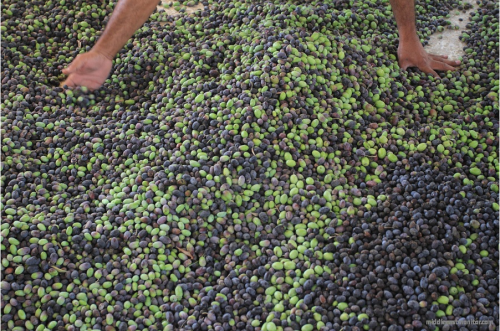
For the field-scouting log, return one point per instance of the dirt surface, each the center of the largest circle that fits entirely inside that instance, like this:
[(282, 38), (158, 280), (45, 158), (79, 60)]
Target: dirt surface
[(171, 11), (447, 42)]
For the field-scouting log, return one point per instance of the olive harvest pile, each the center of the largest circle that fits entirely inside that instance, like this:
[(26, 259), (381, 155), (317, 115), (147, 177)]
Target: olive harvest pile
[(252, 166)]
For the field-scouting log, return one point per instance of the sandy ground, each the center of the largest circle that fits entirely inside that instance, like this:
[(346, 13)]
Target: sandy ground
[(171, 11), (447, 42)]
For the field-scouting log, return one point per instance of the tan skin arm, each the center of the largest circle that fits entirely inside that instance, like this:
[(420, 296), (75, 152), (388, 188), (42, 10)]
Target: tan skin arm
[(411, 53), (91, 69)]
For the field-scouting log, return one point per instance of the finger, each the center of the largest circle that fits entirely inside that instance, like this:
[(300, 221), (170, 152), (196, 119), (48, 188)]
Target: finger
[(70, 69), (90, 84), (74, 66), (428, 70), (403, 65), (437, 65), (69, 82), (76, 80), (445, 60), (439, 56), (67, 70)]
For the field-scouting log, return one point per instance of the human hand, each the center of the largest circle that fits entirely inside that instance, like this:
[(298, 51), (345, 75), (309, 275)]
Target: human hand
[(90, 69), (412, 54)]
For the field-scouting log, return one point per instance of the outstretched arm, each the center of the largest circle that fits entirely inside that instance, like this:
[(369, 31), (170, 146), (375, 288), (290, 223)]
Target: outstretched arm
[(411, 53), (92, 68)]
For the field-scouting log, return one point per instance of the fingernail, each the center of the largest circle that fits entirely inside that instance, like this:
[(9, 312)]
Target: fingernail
[(457, 62)]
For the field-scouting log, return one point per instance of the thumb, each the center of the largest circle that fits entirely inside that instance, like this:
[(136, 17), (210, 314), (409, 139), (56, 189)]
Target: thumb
[(68, 82), (70, 69), (74, 66)]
